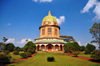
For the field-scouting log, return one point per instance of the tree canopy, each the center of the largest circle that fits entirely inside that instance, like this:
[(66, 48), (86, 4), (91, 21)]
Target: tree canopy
[(29, 47), (70, 47), (5, 39), (17, 49), (10, 47), (82, 48), (95, 31), (67, 38), (1, 46), (89, 48)]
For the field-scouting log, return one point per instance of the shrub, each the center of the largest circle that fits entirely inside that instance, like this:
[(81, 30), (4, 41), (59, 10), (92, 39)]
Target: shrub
[(6, 51), (17, 49), (82, 48), (76, 45), (21, 49), (60, 50), (4, 58), (70, 47), (23, 55), (95, 54), (16, 52), (29, 47), (87, 51), (10, 47), (28, 54), (50, 59), (76, 53), (89, 48), (39, 50)]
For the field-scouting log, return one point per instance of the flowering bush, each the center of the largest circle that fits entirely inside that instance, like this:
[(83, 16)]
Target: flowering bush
[(23, 55), (16, 52), (28, 54), (4, 58), (95, 54)]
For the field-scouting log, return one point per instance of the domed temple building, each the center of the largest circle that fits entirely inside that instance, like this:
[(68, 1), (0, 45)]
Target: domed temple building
[(49, 35)]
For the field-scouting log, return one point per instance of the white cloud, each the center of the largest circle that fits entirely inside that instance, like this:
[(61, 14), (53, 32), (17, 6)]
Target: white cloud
[(97, 11), (95, 44), (35, 0), (91, 4), (23, 41), (79, 43), (8, 24), (60, 20), (43, 0), (11, 40)]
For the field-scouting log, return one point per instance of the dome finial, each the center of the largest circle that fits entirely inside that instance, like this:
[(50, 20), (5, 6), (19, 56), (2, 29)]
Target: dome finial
[(49, 13)]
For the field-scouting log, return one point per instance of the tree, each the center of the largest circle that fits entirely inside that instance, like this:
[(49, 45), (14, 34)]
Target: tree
[(4, 59), (89, 48), (26, 40), (95, 31), (76, 53), (10, 47), (29, 47), (21, 49), (71, 47), (67, 38), (1, 46), (5, 39), (17, 49), (82, 48), (76, 45), (95, 54)]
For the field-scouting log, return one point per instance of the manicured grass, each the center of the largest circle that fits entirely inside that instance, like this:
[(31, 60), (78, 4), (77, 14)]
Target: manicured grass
[(84, 55), (15, 56), (61, 59)]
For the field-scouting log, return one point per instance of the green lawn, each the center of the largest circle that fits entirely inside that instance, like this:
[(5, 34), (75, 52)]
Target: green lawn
[(84, 55), (15, 56), (40, 59)]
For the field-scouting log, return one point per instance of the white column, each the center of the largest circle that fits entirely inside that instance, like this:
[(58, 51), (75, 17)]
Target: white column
[(63, 47), (36, 47), (59, 46), (45, 47), (40, 47), (53, 47)]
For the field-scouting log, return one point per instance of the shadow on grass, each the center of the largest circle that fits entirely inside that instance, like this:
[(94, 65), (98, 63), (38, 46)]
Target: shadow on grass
[(51, 61), (94, 60), (89, 59), (11, 65)]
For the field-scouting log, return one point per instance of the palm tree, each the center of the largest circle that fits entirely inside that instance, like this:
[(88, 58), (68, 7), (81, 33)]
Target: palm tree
[(5, 39)]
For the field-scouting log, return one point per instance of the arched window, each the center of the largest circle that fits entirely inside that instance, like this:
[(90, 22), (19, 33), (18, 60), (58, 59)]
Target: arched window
[(43, 31), (55, 31), (49, 31), (44, 23), (54, 23), (49, 22)]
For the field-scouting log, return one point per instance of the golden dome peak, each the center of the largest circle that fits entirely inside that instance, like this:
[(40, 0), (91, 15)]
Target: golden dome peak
[(49, 17), (49, 13)]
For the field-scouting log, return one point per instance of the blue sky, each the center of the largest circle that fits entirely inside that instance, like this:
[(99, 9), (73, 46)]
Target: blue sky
[(20, 19)]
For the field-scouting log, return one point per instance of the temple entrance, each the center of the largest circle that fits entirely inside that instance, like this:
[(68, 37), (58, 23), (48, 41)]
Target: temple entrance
[(49, 47)]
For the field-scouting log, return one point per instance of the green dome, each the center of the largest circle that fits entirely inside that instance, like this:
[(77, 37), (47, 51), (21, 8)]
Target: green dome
[(49, 18)]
